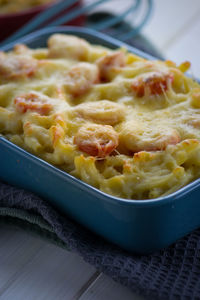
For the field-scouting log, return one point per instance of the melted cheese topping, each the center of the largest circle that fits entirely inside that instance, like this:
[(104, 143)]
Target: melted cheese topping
[(126, 125)]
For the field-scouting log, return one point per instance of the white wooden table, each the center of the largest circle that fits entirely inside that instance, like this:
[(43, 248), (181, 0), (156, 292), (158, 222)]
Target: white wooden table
[(30, 268)]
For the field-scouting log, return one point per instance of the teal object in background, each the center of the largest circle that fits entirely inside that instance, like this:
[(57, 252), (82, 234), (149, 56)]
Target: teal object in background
[(142, 226)]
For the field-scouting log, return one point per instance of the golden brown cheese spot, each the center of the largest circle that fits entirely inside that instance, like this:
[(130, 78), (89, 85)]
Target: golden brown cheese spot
[(27, 128), (184, 66), (104, 112), (96, 140), (137, 137), (143, 157), (110, 63), (57, 133), (195, 98), (33, 102), (170, 63), (60, 119), (16, 67), (67, 46), (153, 83), (81, 78)]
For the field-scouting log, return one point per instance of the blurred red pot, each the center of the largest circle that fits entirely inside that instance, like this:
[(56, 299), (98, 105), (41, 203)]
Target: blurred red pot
[(10, 22)]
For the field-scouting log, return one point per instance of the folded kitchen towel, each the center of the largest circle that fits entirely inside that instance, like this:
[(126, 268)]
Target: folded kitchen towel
[(172, 273)]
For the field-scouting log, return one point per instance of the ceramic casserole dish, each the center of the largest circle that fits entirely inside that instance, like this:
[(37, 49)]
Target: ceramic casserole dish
[(141, 226)]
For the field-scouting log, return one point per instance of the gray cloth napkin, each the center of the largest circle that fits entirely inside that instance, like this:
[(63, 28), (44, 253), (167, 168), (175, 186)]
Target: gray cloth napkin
[(172, 273)]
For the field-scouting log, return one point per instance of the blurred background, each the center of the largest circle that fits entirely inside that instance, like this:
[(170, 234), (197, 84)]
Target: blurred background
[(173, 27), (168, 29)]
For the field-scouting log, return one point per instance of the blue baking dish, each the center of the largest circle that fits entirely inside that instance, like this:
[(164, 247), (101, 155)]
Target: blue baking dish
[(141, 226)]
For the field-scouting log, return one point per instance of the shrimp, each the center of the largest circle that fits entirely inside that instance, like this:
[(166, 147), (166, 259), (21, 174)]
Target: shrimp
[(33, 102), (96, 140), (104, 112), (110, 62), (16, 67), (80, 78), (152, 83), (136, 137), (67, 46)]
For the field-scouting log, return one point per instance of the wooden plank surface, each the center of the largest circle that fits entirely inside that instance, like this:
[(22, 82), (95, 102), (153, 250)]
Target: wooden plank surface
[(32, 269), (15, 253), (104, 288)]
